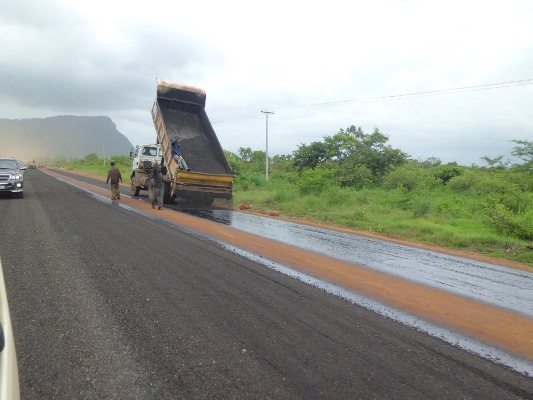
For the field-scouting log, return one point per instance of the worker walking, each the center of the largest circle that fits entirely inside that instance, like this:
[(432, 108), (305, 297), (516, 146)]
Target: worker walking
[(115, 177), (155, 188)]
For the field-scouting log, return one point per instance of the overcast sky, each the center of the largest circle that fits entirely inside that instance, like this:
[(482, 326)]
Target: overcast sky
[(102, 58)]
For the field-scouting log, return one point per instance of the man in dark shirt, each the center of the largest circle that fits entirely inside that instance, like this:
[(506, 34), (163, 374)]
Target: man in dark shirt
[(114, 176), (156, 187)]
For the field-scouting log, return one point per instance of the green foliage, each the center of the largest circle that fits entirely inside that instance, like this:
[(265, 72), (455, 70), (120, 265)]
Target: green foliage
[(93, 164), (410, 177), (309, 156), (446, 173), (478, 183), (248, 180), (517, 224), (494, 162), (523, 150), (351, 149), (475, 209), (91, 157), (316, 181), (353, 174), (421, 207), (235, 162)]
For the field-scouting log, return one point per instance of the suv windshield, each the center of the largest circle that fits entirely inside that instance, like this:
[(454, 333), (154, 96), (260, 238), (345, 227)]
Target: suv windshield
[(8, 164)]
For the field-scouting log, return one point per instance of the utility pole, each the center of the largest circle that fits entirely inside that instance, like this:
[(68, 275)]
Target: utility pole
[(266, 158)]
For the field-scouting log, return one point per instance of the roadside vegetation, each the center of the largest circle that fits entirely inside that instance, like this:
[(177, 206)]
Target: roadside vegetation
[(94, 165), (356, 180)]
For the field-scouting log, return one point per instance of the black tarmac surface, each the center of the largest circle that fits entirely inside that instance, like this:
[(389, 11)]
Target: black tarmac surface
[(108, 304)]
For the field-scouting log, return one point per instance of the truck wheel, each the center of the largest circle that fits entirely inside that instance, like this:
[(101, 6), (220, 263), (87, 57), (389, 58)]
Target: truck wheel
[(166, 193), (135, 189)]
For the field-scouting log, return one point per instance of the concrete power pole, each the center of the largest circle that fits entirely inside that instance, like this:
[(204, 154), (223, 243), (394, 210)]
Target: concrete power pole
[(266, 155)]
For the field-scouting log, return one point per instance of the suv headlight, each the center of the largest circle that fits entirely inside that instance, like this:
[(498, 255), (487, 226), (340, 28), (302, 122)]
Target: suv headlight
[(16, 177)]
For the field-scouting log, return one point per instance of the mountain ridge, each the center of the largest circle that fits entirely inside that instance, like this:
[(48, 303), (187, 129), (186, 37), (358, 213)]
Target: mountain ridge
[(61, 136)]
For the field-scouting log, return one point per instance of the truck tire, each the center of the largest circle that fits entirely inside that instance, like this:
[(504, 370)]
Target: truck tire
[(135, 189), (166, 193)]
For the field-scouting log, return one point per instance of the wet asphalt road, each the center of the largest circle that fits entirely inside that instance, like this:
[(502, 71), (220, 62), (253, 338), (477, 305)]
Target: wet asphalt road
[(109, 304), (501, 286)]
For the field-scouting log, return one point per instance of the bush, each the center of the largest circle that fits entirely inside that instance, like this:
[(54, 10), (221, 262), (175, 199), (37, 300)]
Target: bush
[(482, 184), (510, 223), (354, 175), (249, 180), (314, 181), (410, 177), (446, 173)]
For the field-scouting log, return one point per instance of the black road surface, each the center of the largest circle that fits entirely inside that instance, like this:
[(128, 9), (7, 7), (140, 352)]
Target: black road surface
[(108, 304)]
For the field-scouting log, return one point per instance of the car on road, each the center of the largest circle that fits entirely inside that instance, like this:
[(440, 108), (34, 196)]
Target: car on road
[(11, 176)]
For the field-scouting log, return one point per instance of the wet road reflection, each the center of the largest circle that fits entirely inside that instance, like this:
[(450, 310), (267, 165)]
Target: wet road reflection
[(501, 286)]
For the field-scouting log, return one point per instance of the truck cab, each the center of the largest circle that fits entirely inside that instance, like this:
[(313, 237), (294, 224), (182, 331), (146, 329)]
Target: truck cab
[(146, 153)]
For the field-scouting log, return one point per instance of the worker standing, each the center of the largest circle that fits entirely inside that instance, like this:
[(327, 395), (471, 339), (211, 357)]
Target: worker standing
[(155, 188), (115, 177)]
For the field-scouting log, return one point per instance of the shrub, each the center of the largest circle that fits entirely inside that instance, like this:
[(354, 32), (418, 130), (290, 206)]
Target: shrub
[(446, 173), (314, 181), (247, 181), (482, 183), (517, 224), (409, 177), (354, 175)]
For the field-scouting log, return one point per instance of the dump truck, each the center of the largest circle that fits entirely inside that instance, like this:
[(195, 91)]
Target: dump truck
[(142, 162), (179, 113)]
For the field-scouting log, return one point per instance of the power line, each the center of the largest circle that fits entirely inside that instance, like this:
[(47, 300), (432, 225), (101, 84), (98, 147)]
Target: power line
[(463, 89), (438, 92)]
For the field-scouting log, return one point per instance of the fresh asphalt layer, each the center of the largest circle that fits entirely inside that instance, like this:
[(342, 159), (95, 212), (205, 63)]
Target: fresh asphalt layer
[(106, 303)]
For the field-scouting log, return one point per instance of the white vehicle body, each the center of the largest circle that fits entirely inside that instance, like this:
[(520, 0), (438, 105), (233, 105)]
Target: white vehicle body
[(9, 378), (151, 153)]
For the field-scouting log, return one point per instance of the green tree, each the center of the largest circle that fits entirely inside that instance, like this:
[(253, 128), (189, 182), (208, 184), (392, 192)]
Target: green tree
[(493, 162), (351, 148), (309, 156), (524, 150), (245, 153)]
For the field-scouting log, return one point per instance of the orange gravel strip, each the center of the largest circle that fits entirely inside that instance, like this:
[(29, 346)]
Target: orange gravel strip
[(492, 325)]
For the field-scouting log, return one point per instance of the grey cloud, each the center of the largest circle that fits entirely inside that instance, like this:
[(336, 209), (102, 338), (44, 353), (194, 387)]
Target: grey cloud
[(64, 67), (36, 14)]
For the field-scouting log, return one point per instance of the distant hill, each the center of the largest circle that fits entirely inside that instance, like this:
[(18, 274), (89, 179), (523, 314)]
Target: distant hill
[(61, 136)]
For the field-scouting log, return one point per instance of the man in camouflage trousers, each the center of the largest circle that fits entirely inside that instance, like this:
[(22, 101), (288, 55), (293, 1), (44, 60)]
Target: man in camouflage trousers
[(114, 176)]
